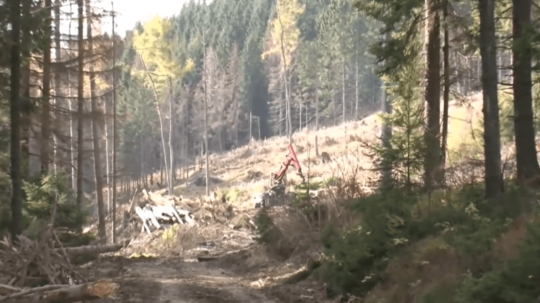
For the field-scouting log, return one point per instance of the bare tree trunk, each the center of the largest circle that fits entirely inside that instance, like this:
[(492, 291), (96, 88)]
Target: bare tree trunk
[(300, 114), (386, 134), (343, 89), (26, 121), (207, 183), (171, 131), (57, 75), (356, 116), (80, 101), (317, 107), (307, 114), (280, 117), (46, 106), (446, 93), (236, 111), (492, 140), (71, 124), (316, 118), (98, 179), (115, 135), (526, 156), (15, 121), (107, 153), (432, 95), (236, 120), (334, 104)]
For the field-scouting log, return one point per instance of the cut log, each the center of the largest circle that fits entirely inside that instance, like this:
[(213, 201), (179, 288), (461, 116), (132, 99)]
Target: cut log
[(149, 215), (142, 215), (65, 294), (91, 249), (8, 289), (168, 213)]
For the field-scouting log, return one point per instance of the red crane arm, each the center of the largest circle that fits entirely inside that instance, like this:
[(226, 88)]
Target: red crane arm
[(292, 158)]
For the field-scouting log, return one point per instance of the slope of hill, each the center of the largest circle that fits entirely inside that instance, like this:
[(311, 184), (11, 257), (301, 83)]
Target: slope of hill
[(246, 170), (239, 269)]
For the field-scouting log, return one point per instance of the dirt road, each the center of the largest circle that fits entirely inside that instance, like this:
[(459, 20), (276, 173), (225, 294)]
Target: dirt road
[(180, 281)]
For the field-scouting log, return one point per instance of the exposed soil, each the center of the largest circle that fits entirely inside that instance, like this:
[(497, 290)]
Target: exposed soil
[(244, 272)]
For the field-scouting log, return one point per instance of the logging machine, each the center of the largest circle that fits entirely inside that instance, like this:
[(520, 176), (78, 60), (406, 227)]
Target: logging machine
[(278, 181)]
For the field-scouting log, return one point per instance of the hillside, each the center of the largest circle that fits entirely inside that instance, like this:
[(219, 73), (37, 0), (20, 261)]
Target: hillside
[(240, 269), (246, 170)]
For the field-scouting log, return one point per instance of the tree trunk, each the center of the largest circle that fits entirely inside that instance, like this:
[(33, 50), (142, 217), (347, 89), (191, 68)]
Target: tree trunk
[(333, 92), (236, 111), (343, 88), (207, 182), (492, 141), (289, 107), (307, 114), (71, 124), (98, 178), (15, 121), (356, 116), (316, 118), (527, 160), (446, 93), (80, 108), (171, 145), (107, 153), (46, 106), (280, 116), (432, 96), (386, 134), (317, 107), (57, 75), (26, 121), (300, 114), (115, 134)]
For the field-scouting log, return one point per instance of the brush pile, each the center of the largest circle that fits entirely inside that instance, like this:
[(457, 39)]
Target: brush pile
[(41, 271)]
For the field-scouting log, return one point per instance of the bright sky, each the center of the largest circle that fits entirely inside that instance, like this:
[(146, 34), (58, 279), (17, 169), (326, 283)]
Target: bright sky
[(131, 11)]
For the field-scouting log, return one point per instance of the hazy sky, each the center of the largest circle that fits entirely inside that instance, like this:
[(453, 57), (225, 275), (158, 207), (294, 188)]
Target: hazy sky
[(131, 11)]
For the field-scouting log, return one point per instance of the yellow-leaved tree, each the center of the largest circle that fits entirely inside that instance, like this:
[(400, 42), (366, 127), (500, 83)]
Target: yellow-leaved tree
[(284, 41), (160, 70)]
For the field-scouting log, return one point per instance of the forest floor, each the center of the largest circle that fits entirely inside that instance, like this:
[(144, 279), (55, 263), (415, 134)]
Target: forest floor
[(168, 266)]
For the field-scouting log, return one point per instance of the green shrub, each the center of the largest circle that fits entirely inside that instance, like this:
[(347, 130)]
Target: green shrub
[(264, 225), (302, 199), (356, 259), (40, 202), (517, 281)]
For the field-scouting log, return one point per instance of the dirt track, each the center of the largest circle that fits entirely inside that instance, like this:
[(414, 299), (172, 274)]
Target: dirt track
[(240, 270), (178, 281)]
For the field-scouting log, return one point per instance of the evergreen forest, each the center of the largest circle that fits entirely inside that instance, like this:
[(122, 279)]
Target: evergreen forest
[(414, 122)]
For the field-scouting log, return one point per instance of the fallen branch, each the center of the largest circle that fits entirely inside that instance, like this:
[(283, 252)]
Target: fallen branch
[(91, 249), (8, 289), (65, 293)]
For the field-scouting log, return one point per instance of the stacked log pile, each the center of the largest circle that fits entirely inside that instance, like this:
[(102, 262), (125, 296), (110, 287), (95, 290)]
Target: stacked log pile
[(157, 210)]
